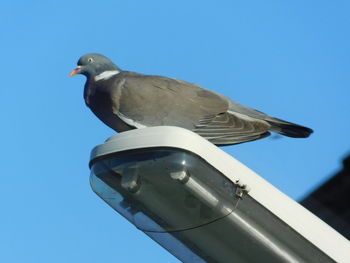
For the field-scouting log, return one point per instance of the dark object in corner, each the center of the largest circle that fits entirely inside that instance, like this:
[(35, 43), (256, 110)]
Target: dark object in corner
[(331, 201)]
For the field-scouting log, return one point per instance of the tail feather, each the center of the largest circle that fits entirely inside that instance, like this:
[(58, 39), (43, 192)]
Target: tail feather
[(289, 129)]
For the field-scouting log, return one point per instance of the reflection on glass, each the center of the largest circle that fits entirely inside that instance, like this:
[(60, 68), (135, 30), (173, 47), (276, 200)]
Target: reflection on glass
[(163, 190)]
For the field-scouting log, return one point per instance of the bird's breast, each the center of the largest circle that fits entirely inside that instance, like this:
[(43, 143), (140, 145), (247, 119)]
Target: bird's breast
[(101, 104)]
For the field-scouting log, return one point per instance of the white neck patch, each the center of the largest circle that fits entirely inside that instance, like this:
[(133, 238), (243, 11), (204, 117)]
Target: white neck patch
[(106, 75)]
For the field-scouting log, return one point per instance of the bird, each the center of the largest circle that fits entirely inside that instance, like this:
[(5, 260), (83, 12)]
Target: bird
[(126, 100)]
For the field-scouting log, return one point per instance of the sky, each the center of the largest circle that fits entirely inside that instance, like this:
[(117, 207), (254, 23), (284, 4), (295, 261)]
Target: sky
[(289, 59)]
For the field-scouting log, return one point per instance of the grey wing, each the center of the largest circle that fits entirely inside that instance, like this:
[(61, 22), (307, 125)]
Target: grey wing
[(154, 100), (277, 125)]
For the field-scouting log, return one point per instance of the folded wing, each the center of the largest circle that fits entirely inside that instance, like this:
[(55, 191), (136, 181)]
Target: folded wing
[(153, 100)]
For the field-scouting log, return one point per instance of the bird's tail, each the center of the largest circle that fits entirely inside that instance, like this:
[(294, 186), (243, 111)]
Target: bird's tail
[(289, 129)]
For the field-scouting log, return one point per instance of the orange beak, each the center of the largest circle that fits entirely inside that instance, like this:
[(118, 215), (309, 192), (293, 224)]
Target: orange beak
[(75, 71)]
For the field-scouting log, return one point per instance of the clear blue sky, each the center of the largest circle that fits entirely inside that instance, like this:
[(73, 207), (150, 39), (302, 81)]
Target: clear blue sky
[(287, 58)]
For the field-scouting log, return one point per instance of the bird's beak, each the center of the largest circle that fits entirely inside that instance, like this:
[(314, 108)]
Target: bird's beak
[(75, 71)]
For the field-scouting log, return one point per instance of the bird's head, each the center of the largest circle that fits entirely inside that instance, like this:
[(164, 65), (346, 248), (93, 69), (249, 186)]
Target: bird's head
[(92, 65)]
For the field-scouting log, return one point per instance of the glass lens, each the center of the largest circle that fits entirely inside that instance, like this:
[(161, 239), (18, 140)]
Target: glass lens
[(163, 190)]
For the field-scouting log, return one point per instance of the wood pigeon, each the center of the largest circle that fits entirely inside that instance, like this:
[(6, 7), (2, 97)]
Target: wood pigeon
[(126, 100)]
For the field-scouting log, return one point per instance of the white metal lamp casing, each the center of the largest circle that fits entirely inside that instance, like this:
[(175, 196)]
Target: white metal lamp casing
[(203, 205)]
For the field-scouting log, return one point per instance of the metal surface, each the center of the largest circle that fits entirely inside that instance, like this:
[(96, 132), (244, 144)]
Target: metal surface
[(191, 197)]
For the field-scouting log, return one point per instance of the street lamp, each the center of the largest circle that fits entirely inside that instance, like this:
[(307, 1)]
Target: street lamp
[(202, 205)]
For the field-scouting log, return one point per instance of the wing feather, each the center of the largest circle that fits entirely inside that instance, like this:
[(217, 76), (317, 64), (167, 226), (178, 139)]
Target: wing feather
[(146, 100)]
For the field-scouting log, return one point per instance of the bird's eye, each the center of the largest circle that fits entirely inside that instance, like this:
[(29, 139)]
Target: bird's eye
[(90, 60)]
